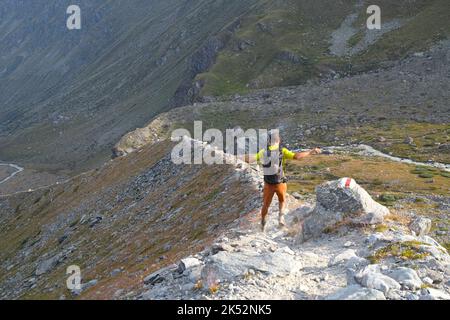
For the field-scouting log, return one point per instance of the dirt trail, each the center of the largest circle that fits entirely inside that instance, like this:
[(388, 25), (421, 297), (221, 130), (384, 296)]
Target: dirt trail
[(18, 170), (368, 151)]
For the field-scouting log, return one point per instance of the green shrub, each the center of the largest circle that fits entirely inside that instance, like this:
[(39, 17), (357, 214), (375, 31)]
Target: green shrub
[(426, 175), (445, 174)]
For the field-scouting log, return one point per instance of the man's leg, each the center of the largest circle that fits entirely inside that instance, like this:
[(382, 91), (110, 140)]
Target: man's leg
[(267, 200), (281, 193)]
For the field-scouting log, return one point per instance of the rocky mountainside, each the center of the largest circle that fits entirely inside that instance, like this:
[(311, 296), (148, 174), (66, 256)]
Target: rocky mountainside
[(117, 223), (68, 96), (144, 228), (141, 227)]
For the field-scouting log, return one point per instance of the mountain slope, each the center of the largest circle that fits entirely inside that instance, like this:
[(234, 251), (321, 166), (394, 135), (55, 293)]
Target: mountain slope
[(140, 212), (290, 42), (68, 95), (135, 215)]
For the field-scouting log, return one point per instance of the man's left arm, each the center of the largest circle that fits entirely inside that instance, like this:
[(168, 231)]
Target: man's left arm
[(300, 155)]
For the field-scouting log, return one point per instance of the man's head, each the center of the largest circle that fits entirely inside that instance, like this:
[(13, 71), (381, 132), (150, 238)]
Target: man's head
[(274, 137)]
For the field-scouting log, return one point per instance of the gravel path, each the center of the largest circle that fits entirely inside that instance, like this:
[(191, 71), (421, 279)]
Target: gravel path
[(16, 167)]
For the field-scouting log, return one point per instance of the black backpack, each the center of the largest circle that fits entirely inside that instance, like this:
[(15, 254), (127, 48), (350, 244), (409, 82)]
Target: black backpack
[(272, 163)]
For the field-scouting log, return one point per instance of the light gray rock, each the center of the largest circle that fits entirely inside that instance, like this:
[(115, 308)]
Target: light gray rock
[(420, 226), (188, 263), (378, 281), (395, 294), (355, 262), (160, 275), (371, 268), (233, 264), (407, 277), (342, 257), (47, 265), (435, 294), (356, 292), (409, 140), (194, 273), (430, 241), (411, 296), (217, 247), (435, 276), (348, 244), (338, 200), (115, 272), (374, 238), (89, 284), (296, 195), (436, 252)]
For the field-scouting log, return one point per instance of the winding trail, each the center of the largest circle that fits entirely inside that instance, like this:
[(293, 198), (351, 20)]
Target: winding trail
[(366, 150), (18, 170)]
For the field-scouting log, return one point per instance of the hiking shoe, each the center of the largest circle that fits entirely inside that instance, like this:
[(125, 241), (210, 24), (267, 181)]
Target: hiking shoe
[(281, 221)]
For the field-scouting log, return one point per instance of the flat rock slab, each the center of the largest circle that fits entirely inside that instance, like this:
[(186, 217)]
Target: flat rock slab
[(356, 292), (234, 264)]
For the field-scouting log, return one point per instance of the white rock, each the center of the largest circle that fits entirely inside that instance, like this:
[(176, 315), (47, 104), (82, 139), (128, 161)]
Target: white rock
[(356, 292), (355, 262), (342, 257), (435, 294), (235, 264), (348, 244), (189, 263), (427, 280), (287, 250), (372, 268), (339, 200), (378, 281), (420, 226), (407, 277)]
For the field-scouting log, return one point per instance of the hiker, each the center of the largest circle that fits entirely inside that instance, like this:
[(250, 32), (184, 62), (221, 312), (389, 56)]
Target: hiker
[(274, 178)]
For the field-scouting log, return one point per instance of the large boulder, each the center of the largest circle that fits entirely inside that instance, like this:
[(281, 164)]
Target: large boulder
[(341, 200)]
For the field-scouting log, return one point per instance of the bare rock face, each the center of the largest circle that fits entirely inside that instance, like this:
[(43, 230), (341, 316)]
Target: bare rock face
[(341, 200)]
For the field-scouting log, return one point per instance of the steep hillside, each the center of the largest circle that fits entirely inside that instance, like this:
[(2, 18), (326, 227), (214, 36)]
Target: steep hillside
[(141, 227), (118, 223), (67, 96)]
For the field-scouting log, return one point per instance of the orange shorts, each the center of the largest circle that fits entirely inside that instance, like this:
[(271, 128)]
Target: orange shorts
[(270, 189)]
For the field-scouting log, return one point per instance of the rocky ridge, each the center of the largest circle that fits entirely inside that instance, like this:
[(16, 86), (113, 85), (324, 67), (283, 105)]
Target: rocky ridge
[(343, 259)]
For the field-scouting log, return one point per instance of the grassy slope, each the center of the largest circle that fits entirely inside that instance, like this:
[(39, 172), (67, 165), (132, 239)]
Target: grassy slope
[(426, 23), (304, 29), (139, 225), (299, 27)]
